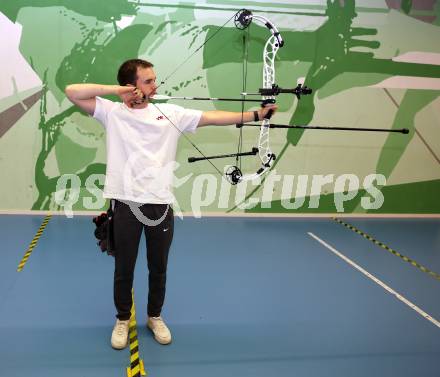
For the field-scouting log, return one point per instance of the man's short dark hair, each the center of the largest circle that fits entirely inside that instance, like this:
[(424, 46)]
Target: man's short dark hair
[(127, 71)]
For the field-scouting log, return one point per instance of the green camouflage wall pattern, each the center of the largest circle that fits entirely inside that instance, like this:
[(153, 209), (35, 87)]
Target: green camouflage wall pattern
[(370, 63)]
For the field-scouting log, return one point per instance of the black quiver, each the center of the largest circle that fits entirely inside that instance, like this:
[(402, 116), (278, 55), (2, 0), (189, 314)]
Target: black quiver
[(104, 230)]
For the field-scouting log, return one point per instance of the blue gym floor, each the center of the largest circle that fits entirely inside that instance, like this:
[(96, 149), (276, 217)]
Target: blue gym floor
[(246, 297)]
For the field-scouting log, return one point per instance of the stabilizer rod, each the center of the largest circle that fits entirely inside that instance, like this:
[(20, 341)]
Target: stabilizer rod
[(251, 153), (401, 130)]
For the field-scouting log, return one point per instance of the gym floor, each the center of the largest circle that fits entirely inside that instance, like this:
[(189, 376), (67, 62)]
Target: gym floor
[(245, 297)]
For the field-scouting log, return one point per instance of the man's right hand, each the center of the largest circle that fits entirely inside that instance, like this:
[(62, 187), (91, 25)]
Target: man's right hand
[(130, 95)]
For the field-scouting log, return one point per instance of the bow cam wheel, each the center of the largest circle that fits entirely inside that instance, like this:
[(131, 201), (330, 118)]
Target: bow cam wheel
[(233, 175), (243, 18)]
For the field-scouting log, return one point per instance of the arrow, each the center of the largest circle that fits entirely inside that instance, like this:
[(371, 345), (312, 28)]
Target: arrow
[(160, 97)]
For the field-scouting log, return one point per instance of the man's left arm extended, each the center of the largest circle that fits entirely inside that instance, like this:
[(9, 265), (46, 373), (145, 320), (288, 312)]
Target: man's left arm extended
[(225, 118)]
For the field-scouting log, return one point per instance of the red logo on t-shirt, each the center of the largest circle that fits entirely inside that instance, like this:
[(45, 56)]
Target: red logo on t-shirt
[(159, 117)]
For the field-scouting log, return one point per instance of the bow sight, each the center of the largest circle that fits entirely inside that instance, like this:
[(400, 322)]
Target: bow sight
[(276, 90)]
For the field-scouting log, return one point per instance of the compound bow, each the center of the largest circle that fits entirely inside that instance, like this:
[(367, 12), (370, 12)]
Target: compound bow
[(233, 174)]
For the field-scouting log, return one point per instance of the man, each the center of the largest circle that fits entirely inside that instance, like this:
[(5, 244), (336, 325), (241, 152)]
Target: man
[(141, 143)]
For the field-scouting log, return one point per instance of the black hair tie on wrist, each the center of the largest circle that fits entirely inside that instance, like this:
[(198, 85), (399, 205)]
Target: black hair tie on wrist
[(256, 116)]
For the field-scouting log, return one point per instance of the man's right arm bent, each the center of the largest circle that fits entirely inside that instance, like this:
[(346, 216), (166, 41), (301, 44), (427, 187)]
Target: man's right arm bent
[(84, 95)]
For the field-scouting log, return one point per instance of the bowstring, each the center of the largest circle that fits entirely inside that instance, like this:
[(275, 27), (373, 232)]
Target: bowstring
[(187, 138), (245, 47), (172, 74)]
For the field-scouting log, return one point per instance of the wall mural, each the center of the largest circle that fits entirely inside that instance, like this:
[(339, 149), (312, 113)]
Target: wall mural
[(371, 64)]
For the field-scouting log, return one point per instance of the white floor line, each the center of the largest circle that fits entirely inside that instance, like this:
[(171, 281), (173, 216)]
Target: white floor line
[(377, 281)]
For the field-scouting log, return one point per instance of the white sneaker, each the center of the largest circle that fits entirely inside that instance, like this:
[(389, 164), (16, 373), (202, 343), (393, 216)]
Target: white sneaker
[(161, 332), (120, 334)]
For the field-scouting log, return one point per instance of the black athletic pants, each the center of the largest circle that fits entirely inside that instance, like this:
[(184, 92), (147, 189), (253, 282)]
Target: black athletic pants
[(127, 231)]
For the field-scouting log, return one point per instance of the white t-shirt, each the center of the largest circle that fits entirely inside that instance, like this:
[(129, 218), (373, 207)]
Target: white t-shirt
[(141, 149)]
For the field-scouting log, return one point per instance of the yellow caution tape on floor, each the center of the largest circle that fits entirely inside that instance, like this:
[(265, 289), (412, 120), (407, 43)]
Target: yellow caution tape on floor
[(33, 243), (435, 275), (136, 367)]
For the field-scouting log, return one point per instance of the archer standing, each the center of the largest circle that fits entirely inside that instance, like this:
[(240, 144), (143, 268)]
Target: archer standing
[(145, 137)]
